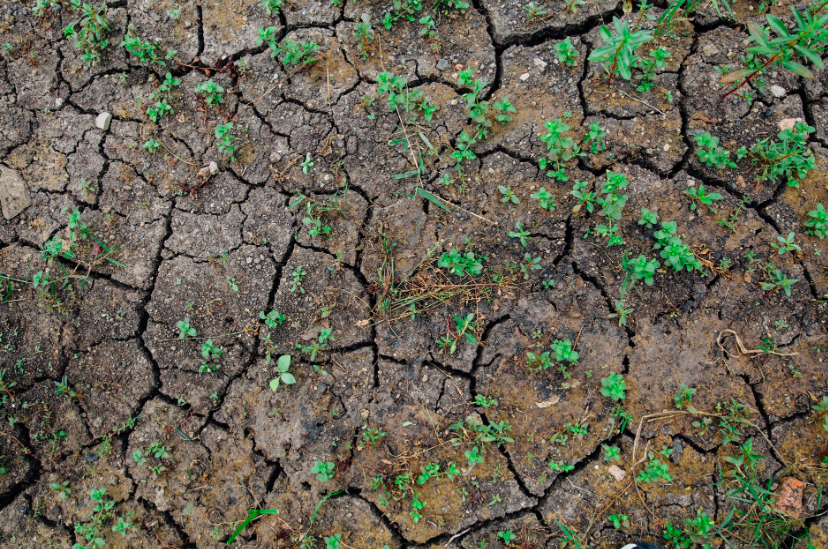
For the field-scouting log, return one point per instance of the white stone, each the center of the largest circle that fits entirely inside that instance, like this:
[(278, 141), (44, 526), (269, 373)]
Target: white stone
[(709, 50), (524, 76), (788, 123), (617, 472), (213, 168), (540, 63), (777, 91), (103, 120)]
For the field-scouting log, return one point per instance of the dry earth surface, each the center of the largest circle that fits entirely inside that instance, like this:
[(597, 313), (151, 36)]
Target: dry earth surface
[(156, 283)]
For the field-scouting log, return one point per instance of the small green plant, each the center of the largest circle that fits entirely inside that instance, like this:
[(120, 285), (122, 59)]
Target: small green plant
[(785, 244), (159, 109), (184, 328), (364, 34), (619, 520), (642, 269), (323, 470), (272, 7), (294, 53), (484, 401), (151, 145), (546, 199), (611, 453), (334, 541), (566, 52), (520, 233), (372, 435), (564, 352), (211, 93), (676, 253), (702, 196), (62, 489), (461, 264), (561, 467), (297, 277), (90, 36), (273, 319), (648, 219), (614, 386), (210, 351), (559, 149), (648, 65), (465, 328), (618, 54), (654, 471), (818, 222), (474, 456), (62, 388), (90, 533), (778, 280), (710, 153), (144, 51), (685, 397), (224, 140), (507, 536), (282, 373), (595, 134), (508, 195), (533, 11), (584, 197), (503, 108)]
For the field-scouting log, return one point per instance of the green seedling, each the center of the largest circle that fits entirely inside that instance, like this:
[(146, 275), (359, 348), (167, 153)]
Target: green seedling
[(684, 398), (461, 264), (151, 145), (611, 453), (785, 244), (272, 7), (508, 195), (594, 137), (144, 51), (282, 374), (533, 11), (546, 199), (364, 34), (642, 269), (788, 158), (648, 65), (185, 330), (323, 470), (62, 489), (372, 436), (564, 352), (90, 36), (702, 196), (818, 222), (807, 41), (654, 471), (294, 53), (507, 536), (618, 54), (474, 456), (559, 149), (613, 386), (210, 351), (211, 93), (566, 52), (710, 153), (503, 108), (779, 280), (521, 234), (585, 198), (224, 140), (297, 277), (619, 520), (273, 319), (648, 219)]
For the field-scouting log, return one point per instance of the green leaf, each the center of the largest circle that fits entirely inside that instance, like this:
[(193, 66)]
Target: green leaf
[(811, 56), (404, 175), (283, 363), (734, 76), (777, 25), (431, 198), (801, 70), (288, 379), (274, 384)]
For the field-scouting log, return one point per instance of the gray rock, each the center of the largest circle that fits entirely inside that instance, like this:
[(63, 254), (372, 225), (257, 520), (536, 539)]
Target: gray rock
[(709, 50), (777, 91), (14, 198), (443, 65)]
